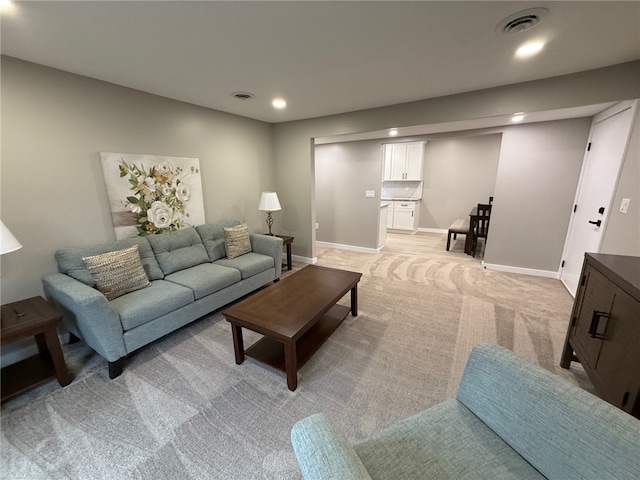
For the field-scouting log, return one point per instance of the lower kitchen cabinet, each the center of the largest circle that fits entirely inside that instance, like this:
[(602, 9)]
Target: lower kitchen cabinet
[(404, 215)]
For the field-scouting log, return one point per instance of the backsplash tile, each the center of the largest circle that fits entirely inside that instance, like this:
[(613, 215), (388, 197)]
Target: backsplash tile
[(403, 190)]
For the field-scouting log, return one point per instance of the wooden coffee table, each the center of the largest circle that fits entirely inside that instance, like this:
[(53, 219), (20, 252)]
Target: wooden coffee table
[(295, 315)]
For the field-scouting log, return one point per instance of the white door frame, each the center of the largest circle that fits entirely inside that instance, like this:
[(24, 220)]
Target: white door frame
[(610, 112)]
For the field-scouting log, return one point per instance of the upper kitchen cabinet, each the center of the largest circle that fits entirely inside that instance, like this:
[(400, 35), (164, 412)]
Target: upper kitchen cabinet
[(403, 161)]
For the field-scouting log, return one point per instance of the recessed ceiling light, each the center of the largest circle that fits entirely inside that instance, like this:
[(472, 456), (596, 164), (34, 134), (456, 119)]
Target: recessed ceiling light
[(529, 49), (7, 6), (279, 103), (517, 117), (393, 132)]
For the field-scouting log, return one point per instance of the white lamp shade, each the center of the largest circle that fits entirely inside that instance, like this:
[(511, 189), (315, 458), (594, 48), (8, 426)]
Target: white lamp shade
[(8, 243), (269, 202)]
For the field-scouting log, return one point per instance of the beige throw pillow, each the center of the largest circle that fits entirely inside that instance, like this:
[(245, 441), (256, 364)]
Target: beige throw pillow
[(237, 240), (117, 273)]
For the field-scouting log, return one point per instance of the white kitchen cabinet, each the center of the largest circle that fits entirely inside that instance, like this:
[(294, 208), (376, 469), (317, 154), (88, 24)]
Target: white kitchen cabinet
[(405, 215), (403, 161)]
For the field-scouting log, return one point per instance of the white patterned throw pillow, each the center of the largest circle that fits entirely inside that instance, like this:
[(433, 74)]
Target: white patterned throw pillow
[(237, 240), (118, 272)]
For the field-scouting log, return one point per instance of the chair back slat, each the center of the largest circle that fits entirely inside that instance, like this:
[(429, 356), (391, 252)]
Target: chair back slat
[(482, 224)]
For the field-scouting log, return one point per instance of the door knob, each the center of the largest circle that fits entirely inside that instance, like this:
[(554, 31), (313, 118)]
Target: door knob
[(597, 223)]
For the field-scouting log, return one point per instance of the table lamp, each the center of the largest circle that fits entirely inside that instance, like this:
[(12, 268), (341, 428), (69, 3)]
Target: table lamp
[(269, 203), (8, 243)]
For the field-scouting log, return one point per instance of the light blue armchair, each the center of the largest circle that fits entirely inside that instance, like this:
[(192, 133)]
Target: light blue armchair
[(510, 420)]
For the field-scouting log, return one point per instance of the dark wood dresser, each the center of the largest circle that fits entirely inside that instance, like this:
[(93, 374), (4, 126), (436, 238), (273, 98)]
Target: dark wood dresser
[(604, 329)]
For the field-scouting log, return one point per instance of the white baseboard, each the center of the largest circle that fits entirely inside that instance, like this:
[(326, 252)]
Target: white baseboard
[(523, 271), (434, 230), (347, 247), (310, 261)]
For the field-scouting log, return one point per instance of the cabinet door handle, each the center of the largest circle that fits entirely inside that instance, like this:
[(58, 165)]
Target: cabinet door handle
[(595, 319)]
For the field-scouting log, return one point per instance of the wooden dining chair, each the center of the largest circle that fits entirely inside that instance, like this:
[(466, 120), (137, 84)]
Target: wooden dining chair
[(481, 225)]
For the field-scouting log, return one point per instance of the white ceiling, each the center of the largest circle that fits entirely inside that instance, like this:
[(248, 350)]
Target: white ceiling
[(322, 57)]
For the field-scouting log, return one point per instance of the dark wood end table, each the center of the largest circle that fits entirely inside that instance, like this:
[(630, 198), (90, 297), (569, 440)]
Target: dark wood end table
[(286, 242), (25, 318), (296, 316)]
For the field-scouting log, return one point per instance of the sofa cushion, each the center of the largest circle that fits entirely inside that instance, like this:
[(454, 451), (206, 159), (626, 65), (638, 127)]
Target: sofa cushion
[(117, 273), (444, 441), (70, 259), (236, 240), (205, 279), (142, 306), (212, 235), (178, 250), (249, 264)]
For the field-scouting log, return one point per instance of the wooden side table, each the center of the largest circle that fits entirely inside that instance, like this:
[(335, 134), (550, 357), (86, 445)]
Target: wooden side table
[(25, 318), (286, 242)]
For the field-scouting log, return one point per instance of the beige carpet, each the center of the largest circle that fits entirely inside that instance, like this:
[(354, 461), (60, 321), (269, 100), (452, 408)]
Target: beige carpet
[(183, 410)]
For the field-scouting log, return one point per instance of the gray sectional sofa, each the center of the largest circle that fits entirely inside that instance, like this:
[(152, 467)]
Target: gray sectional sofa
[(510, 420), (190, 276)]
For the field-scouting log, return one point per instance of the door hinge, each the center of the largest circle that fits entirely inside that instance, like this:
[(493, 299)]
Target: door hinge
[(574, 320), (589, 147), (583, 280), (562, 264), (575, 207)]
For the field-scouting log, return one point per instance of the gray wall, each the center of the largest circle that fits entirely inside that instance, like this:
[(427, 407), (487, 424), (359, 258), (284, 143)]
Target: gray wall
[(458, 173), (622, 236), (293, 140), (537, 178), (343, 172), (54, 124)]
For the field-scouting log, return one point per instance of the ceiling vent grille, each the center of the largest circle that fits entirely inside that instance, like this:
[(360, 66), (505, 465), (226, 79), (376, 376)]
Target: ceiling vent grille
[(522, 21), (243, 95)]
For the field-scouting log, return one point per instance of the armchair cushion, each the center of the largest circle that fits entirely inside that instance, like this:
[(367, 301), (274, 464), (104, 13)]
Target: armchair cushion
[(445, 441)]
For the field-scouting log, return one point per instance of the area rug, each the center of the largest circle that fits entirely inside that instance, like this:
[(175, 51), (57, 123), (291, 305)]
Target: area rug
[(183, 409)]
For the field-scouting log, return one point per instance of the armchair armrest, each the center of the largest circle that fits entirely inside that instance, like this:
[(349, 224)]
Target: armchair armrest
[(324, 453), (268, 245), (88, 314)]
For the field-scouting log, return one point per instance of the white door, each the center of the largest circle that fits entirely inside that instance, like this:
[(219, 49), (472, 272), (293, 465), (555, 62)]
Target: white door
[(609, 137)]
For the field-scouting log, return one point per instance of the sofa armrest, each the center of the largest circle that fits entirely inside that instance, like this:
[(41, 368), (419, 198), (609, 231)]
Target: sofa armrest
[(88, 314), (559, 428), (268, 245), (324, 453)]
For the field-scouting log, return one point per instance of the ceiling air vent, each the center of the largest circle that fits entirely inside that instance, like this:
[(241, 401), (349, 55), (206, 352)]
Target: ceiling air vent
[(522, 21), (242, 95)]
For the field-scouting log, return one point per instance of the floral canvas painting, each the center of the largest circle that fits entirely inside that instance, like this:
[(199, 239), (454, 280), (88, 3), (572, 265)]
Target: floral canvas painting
[(151, 194)]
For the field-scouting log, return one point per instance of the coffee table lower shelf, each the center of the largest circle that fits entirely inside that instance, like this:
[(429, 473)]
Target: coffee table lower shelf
[(271, 352)]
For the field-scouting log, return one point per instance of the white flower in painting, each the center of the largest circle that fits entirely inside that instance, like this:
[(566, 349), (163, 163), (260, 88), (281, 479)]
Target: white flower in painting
[(160, 214), (166, 190), (146, 185), (135, 208), (165, 169), (183, 193)]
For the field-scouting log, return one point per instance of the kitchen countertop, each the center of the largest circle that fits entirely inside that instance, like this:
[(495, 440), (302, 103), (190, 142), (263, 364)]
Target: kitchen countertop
[(400, 199)]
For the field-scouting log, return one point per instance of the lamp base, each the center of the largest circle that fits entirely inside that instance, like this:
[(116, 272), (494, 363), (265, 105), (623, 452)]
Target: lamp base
[(269, 223)]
